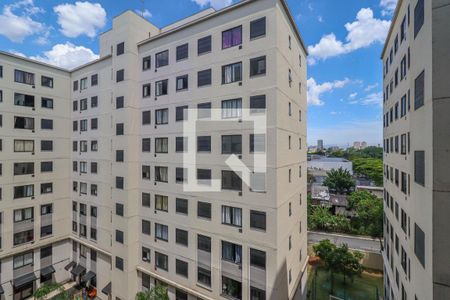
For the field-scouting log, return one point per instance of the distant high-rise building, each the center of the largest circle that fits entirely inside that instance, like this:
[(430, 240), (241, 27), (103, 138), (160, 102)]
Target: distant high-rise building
[(357, 145), (363, 145), (416, 106), (320, 145)]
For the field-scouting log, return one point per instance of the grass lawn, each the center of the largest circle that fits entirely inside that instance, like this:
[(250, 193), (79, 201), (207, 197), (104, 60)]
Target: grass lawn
[(364, 287)]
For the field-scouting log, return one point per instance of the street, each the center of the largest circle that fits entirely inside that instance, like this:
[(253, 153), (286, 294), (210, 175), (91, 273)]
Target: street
[(353, 242)]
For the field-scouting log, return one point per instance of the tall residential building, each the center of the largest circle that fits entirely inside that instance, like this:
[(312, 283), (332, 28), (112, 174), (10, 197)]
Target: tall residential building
[(319, 145), (94, 172), (416, 151)]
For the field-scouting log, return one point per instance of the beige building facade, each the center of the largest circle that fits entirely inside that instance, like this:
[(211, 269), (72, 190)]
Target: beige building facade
[(416, 144), (95, 181)]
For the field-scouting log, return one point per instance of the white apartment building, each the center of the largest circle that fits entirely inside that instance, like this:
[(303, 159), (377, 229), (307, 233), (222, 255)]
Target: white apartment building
[(416, 147), (94, 173)]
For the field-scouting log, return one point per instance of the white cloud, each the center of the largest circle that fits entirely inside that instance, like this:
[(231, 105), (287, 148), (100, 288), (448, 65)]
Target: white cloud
[(353, 95), (363, 32), (67, 56), (370, 99), (17, 26), (345, 133), (216, 4), (144, 13), (316, 90), (320, 19), (335, 113), (80, 18), (388, 7), (371, 87)]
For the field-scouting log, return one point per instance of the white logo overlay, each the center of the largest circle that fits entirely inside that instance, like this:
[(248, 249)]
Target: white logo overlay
[(248, 126)]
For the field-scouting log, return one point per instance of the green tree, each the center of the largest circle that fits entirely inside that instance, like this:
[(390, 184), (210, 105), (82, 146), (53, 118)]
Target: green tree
[(369, 213), (158, 292), (369, 167), (46, 289), (339, 180)]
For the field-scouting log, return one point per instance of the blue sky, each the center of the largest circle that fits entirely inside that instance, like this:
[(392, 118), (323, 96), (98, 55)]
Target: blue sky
[(344, 39)]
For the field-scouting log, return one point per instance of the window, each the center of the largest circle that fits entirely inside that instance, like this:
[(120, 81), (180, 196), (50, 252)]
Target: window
[(94, 101), (94, 80), (23, 77), (47, 81), (24, 168), (257, 143), (419, 167), (258, 220), (119, 236), (232, 216), (23, 214), (46, 252), (182, 52), (181, 206), (180, 144), (232, 73), (419, 244), (46, 145), (83, 83), (204, 144), (23, 146), (119, 129), (161, 145), (258, 28), (23, 260), (181, 113), (94, 124), (231, 252), (232, 37), (204, 210), (45, 103), (146, 227), (119, 182), (204, 45), (258, 104), (46, 166), (258, 258), (161, 203), (23, 123), (161, 174), (146, 90), (23, 100), (231, 108), (120, 75), (204, 77), (119, 209), (231, 144), (180, 295), (119, 263), (181, 237), (146, 172), (181, 268), (46, 188), (93, 167), (162, 59), (180, 175), (146, 254), (419, 91), (204, 243), (204, 276), (204, 110), (231, 181), (146, 117), (418, 16), (161, 87), (146, 145), (231, 288), (162, 116), (23, 191), (119, 102), (258, 66), (146, 199), (120, 49), (146, 63), (94, 146), (258, 182), (182, 82), (161, 261), (257, 294), (75, 85)]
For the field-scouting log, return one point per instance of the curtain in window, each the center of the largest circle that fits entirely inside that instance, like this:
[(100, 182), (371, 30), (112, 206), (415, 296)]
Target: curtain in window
[(237, 214), (228, 74), (237, 36), (161, 174), (226, 214), (227, 39), (232, 108)]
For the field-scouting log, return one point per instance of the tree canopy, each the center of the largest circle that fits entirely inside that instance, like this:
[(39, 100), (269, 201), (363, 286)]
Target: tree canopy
[(339, 181), (158, 292), (369, 213)]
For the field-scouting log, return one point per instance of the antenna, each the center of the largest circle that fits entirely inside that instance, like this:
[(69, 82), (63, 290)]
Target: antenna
[(143, 8)]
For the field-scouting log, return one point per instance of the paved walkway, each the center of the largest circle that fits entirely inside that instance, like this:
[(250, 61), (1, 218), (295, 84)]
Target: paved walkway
[(353, 242)]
